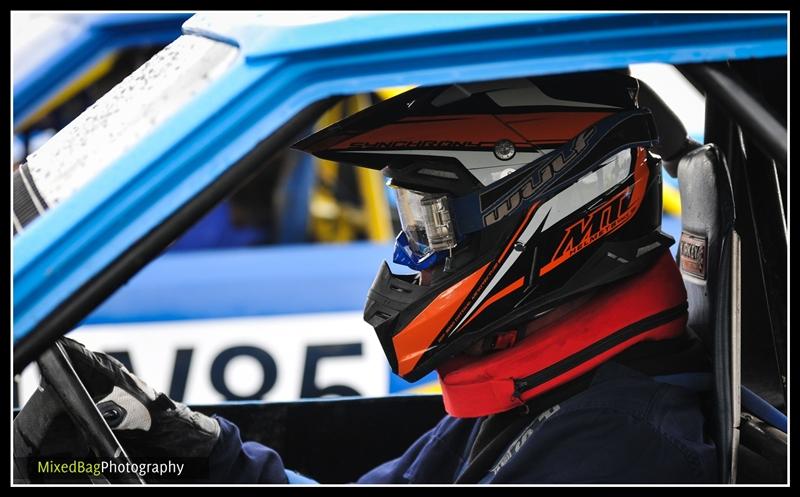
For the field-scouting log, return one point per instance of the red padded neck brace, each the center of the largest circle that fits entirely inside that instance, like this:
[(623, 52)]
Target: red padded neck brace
[(650, 306)]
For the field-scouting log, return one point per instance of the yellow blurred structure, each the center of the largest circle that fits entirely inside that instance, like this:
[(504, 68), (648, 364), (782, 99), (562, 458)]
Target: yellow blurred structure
[(80, 83), (386, 93), (365, 214), (428, 388), (671, 200), (337, 219)]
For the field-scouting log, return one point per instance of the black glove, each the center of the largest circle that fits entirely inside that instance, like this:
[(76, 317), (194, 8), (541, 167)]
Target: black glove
[(147, 423)]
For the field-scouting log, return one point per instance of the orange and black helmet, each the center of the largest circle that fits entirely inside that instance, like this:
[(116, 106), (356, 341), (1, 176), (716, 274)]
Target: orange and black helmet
[(514, 196)]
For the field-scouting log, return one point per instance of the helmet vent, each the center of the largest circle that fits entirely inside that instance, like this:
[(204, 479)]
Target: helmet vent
[(399, 289), (438, 173)]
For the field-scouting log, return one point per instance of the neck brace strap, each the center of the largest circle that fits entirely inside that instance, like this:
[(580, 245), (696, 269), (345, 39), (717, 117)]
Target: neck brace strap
[(649, 306)]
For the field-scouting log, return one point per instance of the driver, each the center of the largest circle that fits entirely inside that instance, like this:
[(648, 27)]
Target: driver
[(543, 294)]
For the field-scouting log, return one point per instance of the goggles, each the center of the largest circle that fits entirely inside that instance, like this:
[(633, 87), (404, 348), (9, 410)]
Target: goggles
[(428, 229)]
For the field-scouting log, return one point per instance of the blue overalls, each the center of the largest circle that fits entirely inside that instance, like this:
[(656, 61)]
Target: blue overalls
[(625, 427)]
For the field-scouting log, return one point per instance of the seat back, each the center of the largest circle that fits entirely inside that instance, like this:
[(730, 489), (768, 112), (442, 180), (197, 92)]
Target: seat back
[(708, 258)]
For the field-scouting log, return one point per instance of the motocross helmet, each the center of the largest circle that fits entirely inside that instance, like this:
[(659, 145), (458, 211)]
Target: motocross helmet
[(514, 196)]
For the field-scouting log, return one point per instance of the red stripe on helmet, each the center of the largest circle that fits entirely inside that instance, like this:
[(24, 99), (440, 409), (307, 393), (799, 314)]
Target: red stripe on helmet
[(473, 130)]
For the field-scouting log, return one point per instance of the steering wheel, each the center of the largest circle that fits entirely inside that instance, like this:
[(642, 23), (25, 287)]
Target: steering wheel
[(62, 392)]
